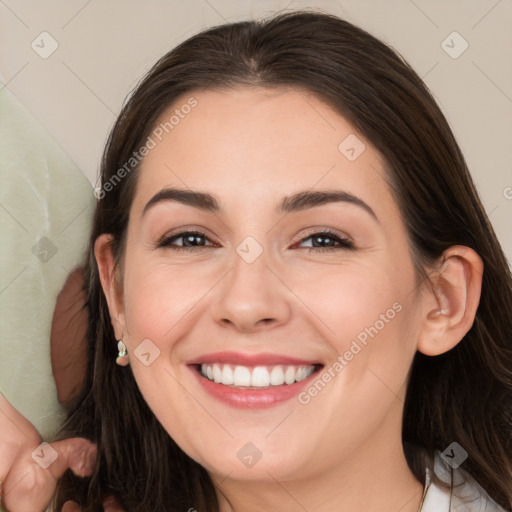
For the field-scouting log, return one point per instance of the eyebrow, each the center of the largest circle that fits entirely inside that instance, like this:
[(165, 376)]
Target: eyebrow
[(296, 202)]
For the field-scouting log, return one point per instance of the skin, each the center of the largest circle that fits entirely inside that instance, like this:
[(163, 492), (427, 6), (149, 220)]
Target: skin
[(26, 485), (249, 148), (68, 339)]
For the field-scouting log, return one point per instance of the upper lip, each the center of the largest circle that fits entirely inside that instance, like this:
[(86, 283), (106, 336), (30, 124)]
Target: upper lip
[(241, 359)]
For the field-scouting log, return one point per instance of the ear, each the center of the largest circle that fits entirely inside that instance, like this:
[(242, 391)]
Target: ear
[(109, 283), (449, 306)]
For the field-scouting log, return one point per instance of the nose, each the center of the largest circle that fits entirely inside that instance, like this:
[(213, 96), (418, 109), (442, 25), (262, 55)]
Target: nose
[(252, 297)]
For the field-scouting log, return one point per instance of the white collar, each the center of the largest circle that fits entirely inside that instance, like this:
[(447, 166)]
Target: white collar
[(463, 495)]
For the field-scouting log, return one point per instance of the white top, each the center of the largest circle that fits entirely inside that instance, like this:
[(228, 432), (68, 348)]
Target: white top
[(468, 497)]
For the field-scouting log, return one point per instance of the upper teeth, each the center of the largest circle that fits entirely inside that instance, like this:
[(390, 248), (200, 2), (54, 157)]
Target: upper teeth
[(258, 376)]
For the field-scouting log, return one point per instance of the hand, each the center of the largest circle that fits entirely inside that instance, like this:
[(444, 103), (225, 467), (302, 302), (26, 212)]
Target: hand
[(110, 504), (26, 486)]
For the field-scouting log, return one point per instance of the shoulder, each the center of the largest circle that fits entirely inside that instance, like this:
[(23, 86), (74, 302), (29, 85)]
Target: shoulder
[(463, 495)]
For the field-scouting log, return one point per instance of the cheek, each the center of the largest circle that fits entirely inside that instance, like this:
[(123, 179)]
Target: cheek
[(365, 313), (349, 299), (158, 297)]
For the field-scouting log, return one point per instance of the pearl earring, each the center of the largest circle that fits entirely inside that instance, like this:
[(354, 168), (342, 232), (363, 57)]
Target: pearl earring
[(122, 358)]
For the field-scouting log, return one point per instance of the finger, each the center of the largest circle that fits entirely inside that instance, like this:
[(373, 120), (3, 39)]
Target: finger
[(111, 504), (8, 454), (70, 506), (17, 435), (31, 480), (77, 454), (26, 489)]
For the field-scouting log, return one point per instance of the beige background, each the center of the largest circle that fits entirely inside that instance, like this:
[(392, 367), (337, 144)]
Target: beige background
[(104, 46)]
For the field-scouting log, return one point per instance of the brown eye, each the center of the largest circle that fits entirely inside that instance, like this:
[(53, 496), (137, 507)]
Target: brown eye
[(189, 240)]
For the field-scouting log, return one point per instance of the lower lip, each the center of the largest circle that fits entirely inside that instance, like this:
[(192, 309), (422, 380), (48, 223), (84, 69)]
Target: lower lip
[(252, 398)]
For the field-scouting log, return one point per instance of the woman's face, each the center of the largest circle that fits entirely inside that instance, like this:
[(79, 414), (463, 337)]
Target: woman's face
[(257, 294)]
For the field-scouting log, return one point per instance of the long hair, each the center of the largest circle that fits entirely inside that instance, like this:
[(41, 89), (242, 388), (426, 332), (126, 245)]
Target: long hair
[(464, 395)]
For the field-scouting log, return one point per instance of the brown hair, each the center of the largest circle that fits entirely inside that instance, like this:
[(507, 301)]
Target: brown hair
[(464, 395)]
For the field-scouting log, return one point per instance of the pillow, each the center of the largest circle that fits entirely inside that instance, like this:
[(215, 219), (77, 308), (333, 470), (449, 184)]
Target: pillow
[(46, 208)]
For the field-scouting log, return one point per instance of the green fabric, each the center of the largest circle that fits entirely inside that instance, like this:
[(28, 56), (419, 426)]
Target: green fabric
[(46, 206)]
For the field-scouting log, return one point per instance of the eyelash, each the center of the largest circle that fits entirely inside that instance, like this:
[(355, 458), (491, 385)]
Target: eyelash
[(344, 243)]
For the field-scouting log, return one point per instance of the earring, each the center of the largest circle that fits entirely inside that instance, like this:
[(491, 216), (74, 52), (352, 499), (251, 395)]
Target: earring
[(122, 358)]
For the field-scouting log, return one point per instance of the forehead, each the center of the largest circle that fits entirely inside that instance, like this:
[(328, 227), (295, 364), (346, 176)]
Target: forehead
[(255, 144)]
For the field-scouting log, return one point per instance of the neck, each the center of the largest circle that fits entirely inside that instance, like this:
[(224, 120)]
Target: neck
[(371, 478)]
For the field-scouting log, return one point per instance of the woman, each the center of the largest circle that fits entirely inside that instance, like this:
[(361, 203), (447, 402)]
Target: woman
[(306, 300)]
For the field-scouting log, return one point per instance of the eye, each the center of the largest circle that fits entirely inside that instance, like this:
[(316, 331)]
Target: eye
[(191, 240), (326, 240)]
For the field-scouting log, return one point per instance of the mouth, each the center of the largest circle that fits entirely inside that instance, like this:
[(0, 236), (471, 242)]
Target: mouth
[(253, 381), (256, 377)]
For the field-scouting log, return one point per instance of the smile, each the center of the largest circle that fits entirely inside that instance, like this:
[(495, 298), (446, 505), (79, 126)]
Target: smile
[(257, 376), (252, 381)]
